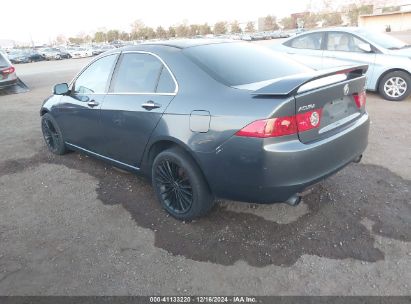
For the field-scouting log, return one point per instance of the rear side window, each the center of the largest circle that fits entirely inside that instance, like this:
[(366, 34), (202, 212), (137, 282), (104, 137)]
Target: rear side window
[(235, 64), (137, 73), (309, 41), (95, 77), (165, 83)]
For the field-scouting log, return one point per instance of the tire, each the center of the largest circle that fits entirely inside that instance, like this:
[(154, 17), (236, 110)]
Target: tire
[(52, 135), (180, 186), (395, 86)]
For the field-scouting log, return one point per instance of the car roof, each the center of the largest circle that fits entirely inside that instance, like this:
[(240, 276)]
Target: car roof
[(180, 43), (348, 29)]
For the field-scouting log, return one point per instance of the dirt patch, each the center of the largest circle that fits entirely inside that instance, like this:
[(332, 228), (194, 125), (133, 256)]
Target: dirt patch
[(332, 227)]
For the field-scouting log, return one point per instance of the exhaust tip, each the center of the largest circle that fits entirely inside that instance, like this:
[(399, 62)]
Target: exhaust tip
[(293, 200), (357, 159)]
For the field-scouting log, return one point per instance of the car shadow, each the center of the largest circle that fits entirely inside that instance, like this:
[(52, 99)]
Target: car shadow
[(332, 227), (19, 87)]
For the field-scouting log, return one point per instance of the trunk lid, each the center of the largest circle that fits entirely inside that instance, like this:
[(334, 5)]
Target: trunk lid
[(325, 99), (336, 104)]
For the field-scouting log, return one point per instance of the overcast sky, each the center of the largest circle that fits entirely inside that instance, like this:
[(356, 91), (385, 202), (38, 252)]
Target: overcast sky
[(45, 19)]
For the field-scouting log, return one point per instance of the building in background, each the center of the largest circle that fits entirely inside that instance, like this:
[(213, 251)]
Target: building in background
[(381, 20)]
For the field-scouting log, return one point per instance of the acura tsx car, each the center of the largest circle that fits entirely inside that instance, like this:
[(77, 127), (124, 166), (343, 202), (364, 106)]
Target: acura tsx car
[(211, 118)]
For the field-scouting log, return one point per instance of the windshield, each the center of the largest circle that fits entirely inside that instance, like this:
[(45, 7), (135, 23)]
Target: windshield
[(384, 40), (237, 64)]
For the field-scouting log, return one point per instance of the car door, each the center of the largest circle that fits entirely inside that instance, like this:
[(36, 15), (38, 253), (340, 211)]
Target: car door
[(141, 89), (307, 49), (344, 48), (79, 112)]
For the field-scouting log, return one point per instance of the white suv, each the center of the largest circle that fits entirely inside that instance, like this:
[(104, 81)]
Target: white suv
[(7, 71)]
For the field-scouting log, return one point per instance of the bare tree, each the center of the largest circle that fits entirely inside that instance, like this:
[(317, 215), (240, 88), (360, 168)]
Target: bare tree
[(100, 37), (171, 32), (288, 23), (136, 26), (124, 36), (235, 27), (194, 30), (220, 28), (61, 39), (161, 33), (331, 19), (205, 29), (113, 35), (182, 30), (249, 28), (354, 10), (270, 23)]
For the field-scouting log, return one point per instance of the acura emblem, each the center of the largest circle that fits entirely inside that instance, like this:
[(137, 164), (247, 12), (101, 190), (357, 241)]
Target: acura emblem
[(346, 89), (314, 119)]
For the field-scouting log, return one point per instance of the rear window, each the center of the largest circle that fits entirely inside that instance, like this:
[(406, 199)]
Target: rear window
[(237, 64)]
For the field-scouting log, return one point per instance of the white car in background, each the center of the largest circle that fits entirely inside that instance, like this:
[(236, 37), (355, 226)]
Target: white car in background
[(388, 59), (80, 52), (8, 75)]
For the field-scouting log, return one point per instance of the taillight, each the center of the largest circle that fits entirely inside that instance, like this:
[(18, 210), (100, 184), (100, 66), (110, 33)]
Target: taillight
[(8, 70), (271, 127), (360, 99), (280, 126)]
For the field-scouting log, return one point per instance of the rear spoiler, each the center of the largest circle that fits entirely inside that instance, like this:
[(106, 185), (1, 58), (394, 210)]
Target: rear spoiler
[(292, 84)]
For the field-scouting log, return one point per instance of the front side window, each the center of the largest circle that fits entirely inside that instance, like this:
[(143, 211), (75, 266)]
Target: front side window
[(343, 42), (137, 73), (309, 41), (95, 77)]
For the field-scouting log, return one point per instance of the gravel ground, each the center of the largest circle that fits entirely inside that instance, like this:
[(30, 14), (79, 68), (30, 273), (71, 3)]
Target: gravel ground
[(72, 225)]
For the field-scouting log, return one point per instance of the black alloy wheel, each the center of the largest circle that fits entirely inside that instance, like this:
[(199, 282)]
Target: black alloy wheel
[(180, 185), (175, 187), (52, 135)]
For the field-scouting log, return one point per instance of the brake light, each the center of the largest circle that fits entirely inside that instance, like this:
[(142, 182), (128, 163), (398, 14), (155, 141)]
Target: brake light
[(8, 70), (280, 126), (360, 99), (271, 127)]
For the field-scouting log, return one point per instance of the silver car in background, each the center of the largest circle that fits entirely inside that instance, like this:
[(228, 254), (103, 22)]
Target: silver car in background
[(7, 71), (389, 59)]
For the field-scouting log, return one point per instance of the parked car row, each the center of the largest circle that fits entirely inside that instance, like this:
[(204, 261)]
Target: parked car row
[(54, 53)]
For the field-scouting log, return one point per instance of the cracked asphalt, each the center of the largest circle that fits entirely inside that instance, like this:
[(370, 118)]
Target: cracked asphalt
[(72, 225)]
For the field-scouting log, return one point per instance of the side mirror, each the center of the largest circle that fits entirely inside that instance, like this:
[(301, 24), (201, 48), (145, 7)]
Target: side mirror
[(365, 47), (60, 89)]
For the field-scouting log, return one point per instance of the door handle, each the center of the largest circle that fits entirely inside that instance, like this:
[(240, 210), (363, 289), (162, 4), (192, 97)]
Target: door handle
[(150, 105), (92, 103)]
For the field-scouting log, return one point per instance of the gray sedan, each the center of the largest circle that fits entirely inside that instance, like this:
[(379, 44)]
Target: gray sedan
[(211, 118), (389, 59)]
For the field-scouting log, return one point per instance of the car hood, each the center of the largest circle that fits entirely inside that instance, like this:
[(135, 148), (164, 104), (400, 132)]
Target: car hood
[(401, 52), (17, 57)]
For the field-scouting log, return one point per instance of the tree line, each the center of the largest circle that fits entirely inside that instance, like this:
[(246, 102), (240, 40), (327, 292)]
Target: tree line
[(140, 31)]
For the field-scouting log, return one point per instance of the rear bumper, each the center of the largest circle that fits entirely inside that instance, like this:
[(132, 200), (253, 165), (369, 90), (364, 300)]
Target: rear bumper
[(265, 171), (9, 82)]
